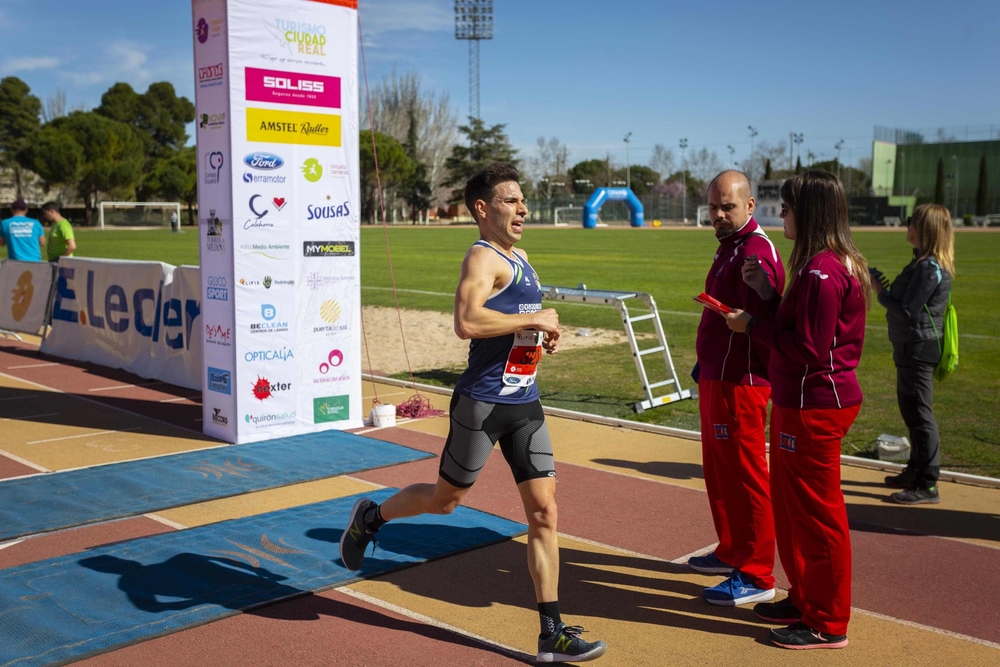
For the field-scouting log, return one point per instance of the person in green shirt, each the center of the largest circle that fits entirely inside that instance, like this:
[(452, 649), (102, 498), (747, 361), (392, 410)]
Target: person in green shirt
[(61, 242)]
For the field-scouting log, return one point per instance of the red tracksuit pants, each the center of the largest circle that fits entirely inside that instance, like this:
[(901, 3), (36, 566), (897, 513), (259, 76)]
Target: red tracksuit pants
[(810, 517), (734, 457)]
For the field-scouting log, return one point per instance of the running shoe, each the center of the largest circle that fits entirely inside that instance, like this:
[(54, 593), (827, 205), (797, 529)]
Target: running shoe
[(736, 590), (783, 612), (903, 480), (709, 564), (917, 496), (565, 645), (801, 636), (356, 536)]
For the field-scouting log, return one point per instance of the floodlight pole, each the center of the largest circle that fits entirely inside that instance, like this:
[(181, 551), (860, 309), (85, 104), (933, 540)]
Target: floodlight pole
[(732, 151), (684, 206), (838, 146), (902, 186), (474, 22), (954, 158), (753, 133), (628, 165)]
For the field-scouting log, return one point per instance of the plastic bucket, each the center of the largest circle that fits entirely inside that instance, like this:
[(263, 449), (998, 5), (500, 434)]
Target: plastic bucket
[(383, 415)]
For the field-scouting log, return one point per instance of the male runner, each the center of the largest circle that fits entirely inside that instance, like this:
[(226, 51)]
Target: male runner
[(498, 305), (733, 393)]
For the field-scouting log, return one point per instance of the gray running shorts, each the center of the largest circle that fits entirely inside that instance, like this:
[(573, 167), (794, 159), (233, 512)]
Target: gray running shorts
[(476, 426)]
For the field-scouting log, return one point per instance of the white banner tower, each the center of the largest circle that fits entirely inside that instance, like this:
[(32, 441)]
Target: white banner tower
[(279, 224)]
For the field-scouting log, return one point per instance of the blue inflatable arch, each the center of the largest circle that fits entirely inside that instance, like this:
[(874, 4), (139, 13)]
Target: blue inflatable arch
[(636, 216)]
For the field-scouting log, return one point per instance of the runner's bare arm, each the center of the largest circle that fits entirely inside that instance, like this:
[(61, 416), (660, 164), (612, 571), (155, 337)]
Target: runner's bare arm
[(483, 272)]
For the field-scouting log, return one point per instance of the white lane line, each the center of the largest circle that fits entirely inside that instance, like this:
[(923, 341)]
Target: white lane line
[(106, 463), (181, 398), (399, 422), (96, 402), (395, 393), (17, 398), (85, 435), (166, 522), (24, 462), (929, 628), (126, 386), (11, 543), (46, 365), (427, 620), (629, 475), (27, 417), (609, 547), (700, 552)]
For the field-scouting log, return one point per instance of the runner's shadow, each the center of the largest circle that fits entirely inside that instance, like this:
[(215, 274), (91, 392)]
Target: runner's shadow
[(598, 585), (889, 517), (192, 580), (659, 468)]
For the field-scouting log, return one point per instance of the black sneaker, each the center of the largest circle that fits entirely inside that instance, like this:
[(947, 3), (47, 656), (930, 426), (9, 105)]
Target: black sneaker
[(356, 536), (903, 480), (801, 636), (917, 496), (565, 645), (783, 612)]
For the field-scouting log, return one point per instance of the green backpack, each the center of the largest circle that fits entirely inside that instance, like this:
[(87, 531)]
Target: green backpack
[(947, 341)]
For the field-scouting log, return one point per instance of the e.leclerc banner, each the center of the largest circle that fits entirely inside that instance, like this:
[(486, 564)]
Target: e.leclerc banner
[(280, 215)]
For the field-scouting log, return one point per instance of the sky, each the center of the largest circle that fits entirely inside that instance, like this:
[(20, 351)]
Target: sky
[(589, 71)]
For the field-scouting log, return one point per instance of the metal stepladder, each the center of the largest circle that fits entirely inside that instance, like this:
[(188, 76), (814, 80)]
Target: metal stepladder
[(617, 299)]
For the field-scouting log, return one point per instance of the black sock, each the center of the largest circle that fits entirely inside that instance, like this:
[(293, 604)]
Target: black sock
[(373, 518), (548, 614)]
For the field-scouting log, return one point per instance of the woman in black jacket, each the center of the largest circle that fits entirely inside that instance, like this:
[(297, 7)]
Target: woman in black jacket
[(915, 304)]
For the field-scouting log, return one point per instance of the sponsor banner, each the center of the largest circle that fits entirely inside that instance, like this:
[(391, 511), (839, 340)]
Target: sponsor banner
[(293, 127), (144, 317), (24, 295), (281, 329)]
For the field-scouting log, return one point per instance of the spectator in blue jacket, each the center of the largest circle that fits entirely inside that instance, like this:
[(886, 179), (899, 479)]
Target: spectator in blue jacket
[(915, 303), (23, 236)]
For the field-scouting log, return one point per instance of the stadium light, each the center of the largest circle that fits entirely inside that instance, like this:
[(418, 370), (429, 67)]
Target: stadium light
[(753, 133), (683, 143), (732, 151), (838, 146), (796, 139), (474, 22), (628, 165)]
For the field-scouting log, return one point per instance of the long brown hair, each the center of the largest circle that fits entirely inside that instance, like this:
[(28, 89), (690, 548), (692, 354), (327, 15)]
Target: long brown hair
[(935, 237), (818, 200)]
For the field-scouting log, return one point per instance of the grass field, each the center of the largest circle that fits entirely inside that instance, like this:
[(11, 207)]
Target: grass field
[(671, 265)]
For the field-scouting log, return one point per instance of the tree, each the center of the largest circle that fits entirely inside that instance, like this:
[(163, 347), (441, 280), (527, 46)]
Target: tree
[(939, 183), (764, 152), (159, 116), (113, 157), (394, 168), (588, 175), (982, 189), (54, 155), (19, 111), (395, 100), (704, 165), (417, 188), (548, 166), (641, 175), (175, 178), (768, 174), (662, 159), (486, 145), (798, 165)]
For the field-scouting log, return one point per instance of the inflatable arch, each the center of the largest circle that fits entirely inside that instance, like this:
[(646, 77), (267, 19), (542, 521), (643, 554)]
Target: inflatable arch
[(636, 217)]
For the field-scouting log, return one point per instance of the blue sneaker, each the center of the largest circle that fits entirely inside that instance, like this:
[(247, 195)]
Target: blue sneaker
[(736, 590), (709, 564)]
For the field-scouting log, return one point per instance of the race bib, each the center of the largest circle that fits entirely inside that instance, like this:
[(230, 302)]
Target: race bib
[(522, 361)]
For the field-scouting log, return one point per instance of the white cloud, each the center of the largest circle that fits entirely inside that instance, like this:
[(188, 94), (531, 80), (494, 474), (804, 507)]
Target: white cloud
[(410, 15), (29, 63), (120, 61)]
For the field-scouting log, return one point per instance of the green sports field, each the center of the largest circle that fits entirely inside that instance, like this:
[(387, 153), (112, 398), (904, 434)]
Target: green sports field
[(671, 265)]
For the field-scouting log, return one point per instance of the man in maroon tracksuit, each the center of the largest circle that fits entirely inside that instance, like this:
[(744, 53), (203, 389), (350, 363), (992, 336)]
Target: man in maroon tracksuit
[(734, 392)]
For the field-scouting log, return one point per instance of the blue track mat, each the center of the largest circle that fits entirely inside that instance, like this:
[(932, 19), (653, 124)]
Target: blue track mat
[(66, 499), (66, 608)]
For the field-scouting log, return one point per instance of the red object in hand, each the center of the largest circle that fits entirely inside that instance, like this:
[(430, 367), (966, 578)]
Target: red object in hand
[(712, 303)]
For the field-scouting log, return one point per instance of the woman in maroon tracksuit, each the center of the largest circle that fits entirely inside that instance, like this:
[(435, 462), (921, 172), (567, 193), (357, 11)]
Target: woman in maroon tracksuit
[(816, 344)]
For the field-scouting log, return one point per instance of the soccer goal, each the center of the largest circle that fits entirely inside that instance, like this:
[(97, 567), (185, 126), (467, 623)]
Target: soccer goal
[(138, 213)]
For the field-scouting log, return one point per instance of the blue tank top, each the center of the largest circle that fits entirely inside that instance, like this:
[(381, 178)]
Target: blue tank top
[(502, 368)]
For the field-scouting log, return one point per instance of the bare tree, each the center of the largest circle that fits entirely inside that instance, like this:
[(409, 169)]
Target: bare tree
[(704, 165), (392, 101), (776, 152), (550, 163), (55, 106), (662, 160)]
